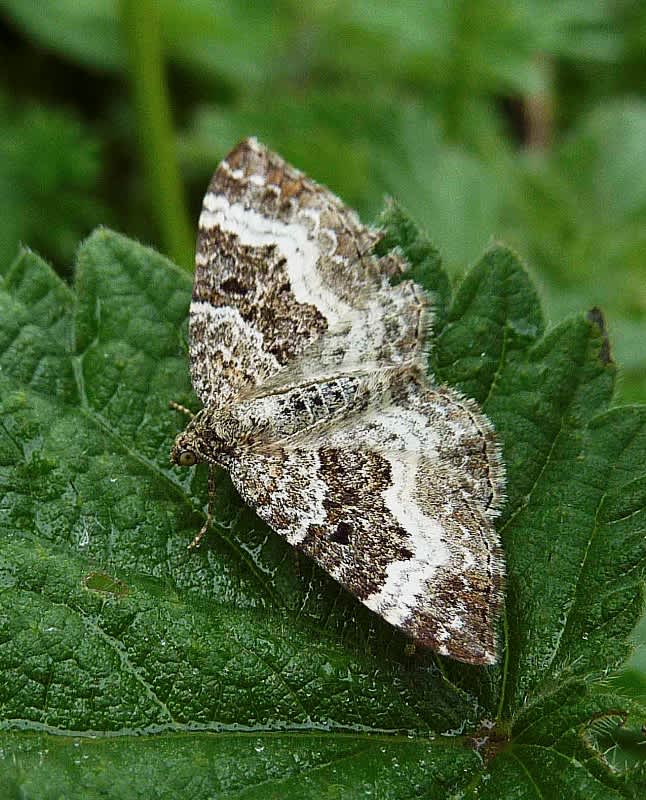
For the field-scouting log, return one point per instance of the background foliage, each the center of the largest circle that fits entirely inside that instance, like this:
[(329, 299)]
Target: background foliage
[(522, 120)]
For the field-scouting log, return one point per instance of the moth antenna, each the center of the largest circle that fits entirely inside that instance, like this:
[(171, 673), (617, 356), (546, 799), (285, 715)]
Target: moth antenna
[(177, 407)]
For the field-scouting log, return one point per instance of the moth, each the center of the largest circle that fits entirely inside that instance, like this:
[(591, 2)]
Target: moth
[(311, 365)]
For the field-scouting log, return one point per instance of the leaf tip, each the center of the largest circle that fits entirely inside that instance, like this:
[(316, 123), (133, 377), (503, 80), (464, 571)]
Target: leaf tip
[(505, 250), (596, 318)]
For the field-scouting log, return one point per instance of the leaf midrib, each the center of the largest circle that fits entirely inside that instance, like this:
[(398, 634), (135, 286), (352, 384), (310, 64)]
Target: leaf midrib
[(575, 600), (521, 507), (402, 736)]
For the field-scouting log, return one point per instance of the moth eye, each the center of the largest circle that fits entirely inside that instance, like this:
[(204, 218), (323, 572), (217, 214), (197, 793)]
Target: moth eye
[(187, 458)]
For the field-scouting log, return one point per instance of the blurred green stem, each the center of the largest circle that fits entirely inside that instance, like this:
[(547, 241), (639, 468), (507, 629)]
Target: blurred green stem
[(142, 32)]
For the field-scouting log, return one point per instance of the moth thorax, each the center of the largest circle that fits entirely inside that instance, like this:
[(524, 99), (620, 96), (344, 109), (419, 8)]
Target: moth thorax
[(234, 425)]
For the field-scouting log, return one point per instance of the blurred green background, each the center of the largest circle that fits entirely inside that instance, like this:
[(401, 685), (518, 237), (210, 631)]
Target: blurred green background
[(523, 120)]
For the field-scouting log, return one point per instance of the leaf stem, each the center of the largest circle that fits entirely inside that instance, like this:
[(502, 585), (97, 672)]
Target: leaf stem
[(142, 35)]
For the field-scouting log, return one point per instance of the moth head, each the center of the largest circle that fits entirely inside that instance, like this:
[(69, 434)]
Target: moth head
[(185, 452), (212, 435), (189, 447)]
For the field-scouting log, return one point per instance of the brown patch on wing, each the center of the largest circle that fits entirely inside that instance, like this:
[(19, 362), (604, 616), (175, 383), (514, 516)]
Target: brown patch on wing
[(360, 537), (286, 194), (473, 594), (255, 282), (474, 453), (468, 589)]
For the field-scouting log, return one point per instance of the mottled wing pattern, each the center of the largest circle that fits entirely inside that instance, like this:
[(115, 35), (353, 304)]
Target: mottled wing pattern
[(280, 263), (397, 505), (388, 331), (394, 493)]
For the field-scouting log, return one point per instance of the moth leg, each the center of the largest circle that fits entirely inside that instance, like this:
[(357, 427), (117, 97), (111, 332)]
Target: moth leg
[(209, 512), (177, 407)]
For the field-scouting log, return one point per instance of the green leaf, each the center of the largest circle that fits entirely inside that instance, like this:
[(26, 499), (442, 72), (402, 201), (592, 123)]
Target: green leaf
[(133, 667), (491, 45), (304, 765), (580, 214), (195, 35), (426, 265), (322, 114), (49, 167), (447, 189)]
